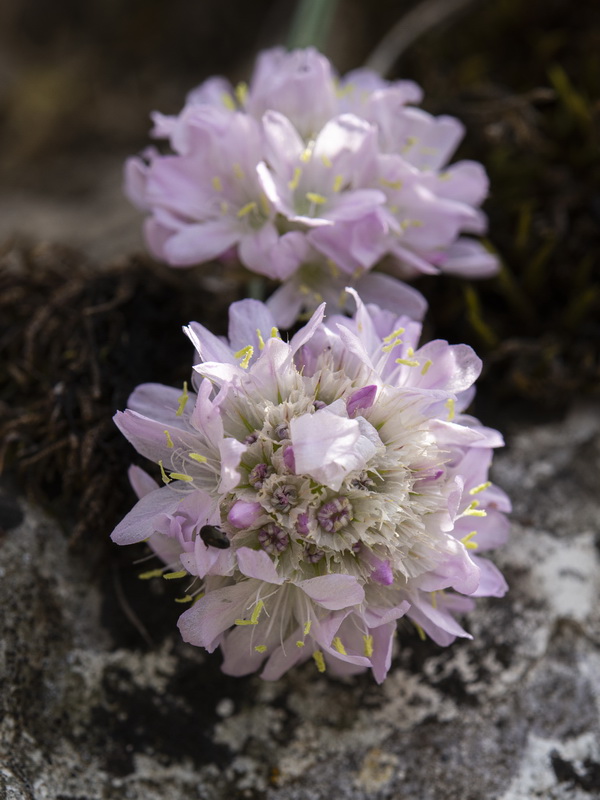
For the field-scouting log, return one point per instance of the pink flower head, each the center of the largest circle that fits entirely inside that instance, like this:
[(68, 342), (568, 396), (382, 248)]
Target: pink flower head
[(312, 180), (344, 485)]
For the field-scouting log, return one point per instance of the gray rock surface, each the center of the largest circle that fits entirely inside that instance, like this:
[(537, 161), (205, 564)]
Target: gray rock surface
[(100, 699)]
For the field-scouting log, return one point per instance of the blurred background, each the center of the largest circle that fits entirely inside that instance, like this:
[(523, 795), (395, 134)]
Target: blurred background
[(77, 84)]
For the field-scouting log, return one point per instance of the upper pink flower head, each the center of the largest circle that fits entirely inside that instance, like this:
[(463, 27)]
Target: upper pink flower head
[(318, 490), (312, 180)]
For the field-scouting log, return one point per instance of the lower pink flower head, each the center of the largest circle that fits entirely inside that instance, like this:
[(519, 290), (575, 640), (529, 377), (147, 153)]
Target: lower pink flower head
[(313, 181), (318, 490)]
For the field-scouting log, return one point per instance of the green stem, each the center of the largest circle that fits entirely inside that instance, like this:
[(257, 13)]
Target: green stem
[(311, 23)]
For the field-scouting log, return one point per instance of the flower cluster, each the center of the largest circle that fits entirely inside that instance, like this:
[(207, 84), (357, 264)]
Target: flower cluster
[(313, 181), (317, 490)]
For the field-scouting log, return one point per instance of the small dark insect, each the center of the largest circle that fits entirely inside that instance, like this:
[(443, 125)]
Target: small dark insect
[(215, 537)]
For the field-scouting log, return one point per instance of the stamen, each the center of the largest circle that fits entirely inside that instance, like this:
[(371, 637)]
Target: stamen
[(293, 184), (326, 161), (163, 474), (306, 154), (481, 487), (426, 366), (472, 511), (421, 632), (260, 648), (368, 640), (338, 183), (181, 476), (245, 354), (319, 660), (169, 576), (307, 627), (337, 644), (169, 440), (315, 198), (224, 207), (238, 171), (300, 643), (182, 399), (407, 362), (466, 540), (450, 406), (390, 184), (261, 341), (247, 209), (153, 573), (434, 594), (187, 598), (275, 333), (241, 92), (410, 142), (197, 457), (217, 184), (255, 615), (393, 335), (335, 270), (228, 101)]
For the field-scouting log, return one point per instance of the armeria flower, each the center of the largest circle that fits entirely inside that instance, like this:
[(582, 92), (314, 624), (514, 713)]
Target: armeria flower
[(312, 180), (345, 485)]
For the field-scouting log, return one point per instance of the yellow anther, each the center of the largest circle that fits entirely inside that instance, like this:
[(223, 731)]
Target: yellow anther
[(182, 400), (315, 198), (307, 627), (408, 362), (450, 406), (169, 576), (394, 209), (245, 354), (304, 289), (293, 184), (480, 488), (228, 101), (410, 352), (393, 335), (163, 474), (197, 457), (326, 161), (256, 613), (338, 645), (420, 631), (305, 155), (238, 171), (187, 598), (260, 648), (153, 573), (217, 185), (169, 440), (264, 204), (472, 510), (319, 660), (241, 92), (243, 622), (410, 142), (181, 476), (429, 151), (261, 341), (466, 540), (338, 183), (390, 184), (426, 366), (434, 599), (275, 333), (299, 643), (224, 206), (247, 209), (368, 640), (444, 176)]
